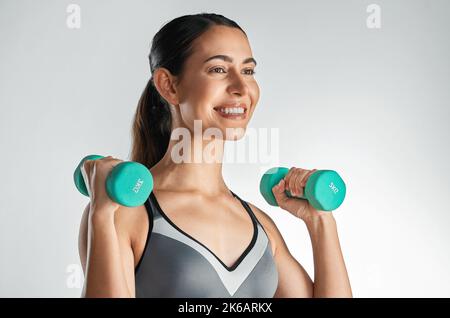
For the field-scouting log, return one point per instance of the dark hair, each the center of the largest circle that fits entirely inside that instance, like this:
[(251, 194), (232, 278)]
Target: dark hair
[(171, 46)]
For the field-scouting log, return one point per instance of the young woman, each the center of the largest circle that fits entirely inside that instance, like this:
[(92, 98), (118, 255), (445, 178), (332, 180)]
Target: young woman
[(194, 237)]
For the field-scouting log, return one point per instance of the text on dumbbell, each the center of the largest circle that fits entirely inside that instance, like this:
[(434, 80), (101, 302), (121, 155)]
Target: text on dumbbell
[(138, 185), (333, 188)]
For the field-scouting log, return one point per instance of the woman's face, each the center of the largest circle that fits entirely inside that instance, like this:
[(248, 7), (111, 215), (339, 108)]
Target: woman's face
[(217, 91)]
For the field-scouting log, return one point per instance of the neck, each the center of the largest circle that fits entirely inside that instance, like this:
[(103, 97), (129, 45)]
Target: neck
[(191, 164)]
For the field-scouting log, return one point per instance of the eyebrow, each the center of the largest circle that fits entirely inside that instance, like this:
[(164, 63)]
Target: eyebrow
[(226, 58)]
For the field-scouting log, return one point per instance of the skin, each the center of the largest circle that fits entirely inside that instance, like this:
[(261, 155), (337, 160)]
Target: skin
[(112, 237)]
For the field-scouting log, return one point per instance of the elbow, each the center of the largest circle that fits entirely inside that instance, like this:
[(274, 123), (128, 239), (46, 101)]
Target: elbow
[(104, 293), (331, 292)]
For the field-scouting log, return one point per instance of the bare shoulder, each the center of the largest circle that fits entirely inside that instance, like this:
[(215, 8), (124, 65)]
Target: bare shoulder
[(269, 226)]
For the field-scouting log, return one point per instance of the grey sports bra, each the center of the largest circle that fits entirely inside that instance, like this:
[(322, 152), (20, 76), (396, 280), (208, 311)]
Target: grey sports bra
[(174, 264)]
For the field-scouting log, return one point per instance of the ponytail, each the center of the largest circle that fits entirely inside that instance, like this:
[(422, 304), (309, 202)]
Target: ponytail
[(151, 127)]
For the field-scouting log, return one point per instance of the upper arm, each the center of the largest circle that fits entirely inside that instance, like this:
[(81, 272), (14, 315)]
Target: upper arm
[(123, 222), (123, 226), (293, 280)]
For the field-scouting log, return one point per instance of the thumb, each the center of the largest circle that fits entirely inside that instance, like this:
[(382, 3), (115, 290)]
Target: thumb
[(279, 193), (293, 205)]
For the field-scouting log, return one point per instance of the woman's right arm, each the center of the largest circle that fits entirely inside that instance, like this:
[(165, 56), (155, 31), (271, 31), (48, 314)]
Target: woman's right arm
[(107, 258), (105, 252)]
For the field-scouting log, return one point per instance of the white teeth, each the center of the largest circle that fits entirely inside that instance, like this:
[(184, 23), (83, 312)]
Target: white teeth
[(233, 110)]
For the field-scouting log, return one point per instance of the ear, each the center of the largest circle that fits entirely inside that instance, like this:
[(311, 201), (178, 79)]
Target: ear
[(166, 85)]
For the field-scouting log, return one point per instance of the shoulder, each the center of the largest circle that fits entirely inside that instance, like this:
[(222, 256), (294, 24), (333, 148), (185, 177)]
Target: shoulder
[(293, 280), (269, 226)]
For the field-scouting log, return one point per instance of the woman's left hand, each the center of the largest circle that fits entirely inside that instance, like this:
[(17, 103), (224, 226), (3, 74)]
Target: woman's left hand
[(295, 181)]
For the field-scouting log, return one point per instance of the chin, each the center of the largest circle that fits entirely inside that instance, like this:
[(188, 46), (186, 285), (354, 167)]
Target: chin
[(234, 133)]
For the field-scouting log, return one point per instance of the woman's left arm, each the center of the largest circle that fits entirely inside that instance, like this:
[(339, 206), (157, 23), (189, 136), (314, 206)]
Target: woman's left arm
[(330, 274)]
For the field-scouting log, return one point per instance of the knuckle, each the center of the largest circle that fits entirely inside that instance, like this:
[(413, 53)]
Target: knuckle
[(96, 164), (86, 164)]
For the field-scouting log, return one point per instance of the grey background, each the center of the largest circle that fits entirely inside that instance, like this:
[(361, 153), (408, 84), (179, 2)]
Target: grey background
[(372, 104)]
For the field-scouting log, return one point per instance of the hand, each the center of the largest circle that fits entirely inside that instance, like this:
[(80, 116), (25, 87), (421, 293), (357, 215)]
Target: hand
[(295, 181), (94, 174)]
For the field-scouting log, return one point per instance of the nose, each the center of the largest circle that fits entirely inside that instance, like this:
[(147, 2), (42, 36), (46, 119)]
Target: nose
[(237, 85)]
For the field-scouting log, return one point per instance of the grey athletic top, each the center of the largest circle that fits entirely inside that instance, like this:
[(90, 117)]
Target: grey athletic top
[(174, 264)]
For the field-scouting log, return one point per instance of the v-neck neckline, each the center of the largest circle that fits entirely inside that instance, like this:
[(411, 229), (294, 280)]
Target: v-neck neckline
[(243, 255)]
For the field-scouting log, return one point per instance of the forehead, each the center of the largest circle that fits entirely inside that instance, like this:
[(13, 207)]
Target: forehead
[(221, 40)]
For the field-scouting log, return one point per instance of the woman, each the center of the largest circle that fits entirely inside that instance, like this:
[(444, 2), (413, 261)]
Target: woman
[(194, 237)]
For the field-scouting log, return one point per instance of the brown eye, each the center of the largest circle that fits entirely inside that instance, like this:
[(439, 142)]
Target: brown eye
[(217, 68), (252, 72)]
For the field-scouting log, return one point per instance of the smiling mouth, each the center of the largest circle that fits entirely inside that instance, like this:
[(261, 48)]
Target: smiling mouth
[(235, 113)]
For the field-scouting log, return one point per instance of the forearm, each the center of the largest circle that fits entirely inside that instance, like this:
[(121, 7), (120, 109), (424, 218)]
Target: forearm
[(105, 275), (330, 274)]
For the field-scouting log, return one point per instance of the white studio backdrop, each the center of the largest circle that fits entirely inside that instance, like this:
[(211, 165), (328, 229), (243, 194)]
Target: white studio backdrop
[(368, 98)]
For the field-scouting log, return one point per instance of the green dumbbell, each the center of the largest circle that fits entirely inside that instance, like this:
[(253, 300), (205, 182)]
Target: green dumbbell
[(129, 183), (324, 190)]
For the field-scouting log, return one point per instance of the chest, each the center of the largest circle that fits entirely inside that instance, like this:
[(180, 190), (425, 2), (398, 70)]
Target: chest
[(225, 228)]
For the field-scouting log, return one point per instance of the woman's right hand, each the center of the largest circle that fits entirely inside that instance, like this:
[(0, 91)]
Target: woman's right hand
[(94, 174)]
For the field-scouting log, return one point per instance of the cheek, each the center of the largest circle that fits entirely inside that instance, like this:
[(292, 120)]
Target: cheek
[(193, 106), (254, 93), (198, 107)]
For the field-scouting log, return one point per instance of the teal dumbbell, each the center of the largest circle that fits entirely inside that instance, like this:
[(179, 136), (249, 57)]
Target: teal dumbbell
[(324, 190), (129, 183)]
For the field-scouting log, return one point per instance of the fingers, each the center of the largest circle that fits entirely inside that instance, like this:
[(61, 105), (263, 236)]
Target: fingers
[(278, 189), (296, 180), (287, 179), (86, 172), (290, 180), (305, 179), (88, 168), (279, 194)]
